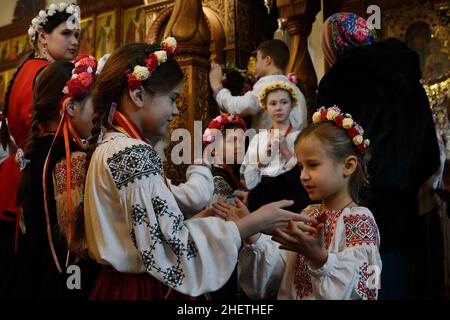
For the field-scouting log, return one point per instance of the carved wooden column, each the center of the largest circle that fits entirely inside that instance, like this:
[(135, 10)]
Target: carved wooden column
[(189, 26), (300, 16)]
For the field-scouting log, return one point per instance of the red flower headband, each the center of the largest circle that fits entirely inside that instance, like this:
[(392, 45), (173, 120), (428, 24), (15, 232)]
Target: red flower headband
[(82, 77), (345, 121), (219, 123), (168, 48)]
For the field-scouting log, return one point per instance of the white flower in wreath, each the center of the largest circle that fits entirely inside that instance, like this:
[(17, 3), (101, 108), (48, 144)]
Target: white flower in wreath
[(357, 140), (141, 73), (70, 10), (316, 117), (161, 55), (367, 142), (66, 90), (171, 42), (63, 6), (42, 14), (347, 123), (332, 114), (31, 32), (35, 22), (53, 7), (51, 12)]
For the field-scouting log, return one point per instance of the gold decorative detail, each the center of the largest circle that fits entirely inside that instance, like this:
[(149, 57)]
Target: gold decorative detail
[(300, 15), (188, 25), (218, 6)]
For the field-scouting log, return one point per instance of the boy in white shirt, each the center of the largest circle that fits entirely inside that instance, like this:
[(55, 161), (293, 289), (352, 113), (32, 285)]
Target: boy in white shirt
[(272, 57)]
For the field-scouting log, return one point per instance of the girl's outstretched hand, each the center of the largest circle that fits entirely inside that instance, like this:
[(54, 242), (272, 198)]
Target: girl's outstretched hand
[(304, 239), (229, 212), (269, 217)]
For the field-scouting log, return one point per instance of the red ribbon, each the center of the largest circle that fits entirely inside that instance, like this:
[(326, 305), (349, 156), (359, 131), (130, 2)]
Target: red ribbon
[(65, 128)]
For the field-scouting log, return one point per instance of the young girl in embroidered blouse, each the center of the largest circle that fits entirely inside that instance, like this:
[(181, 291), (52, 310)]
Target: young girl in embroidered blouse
[(336, 257), (231, 129), (133, 224), (50, 204), (68, 157), (271, 153)]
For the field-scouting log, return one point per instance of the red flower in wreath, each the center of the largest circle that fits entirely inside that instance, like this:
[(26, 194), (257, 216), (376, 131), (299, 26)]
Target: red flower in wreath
[(77, 89), (339, 119), (82, 77), (352, 132), (219, 123), (151, 62), (133, 83)]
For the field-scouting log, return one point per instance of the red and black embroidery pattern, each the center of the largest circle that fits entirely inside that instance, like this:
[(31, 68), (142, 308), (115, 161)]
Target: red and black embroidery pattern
[(362, 288), (302, 278), (78, 163), (360, 229)]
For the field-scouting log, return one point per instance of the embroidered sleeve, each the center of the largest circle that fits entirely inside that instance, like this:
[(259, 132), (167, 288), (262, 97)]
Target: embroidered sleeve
[(173, 250), (222, 189), (354, 265), (78, 167), (134, 163), (361, 229)]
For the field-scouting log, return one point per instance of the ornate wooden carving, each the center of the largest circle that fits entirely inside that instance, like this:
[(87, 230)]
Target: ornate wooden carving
[(188, 24), (218, 6), (300, 15)]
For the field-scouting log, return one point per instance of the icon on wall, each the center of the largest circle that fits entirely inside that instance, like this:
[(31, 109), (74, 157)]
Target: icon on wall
[(105, 34)]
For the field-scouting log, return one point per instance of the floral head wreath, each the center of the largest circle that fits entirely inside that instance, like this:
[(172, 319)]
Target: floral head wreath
[(158, 55), (219, 123), (82, 78), (344, 121), (278, 85), (244, 73), (41, 19)]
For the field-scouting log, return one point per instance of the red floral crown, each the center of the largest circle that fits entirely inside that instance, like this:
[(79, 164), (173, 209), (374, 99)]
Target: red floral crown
[(168, 48), (345, 121), (82, 77), (219, 123)]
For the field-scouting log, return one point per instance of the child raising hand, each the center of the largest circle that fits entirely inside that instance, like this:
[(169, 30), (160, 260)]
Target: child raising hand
[(336, 257)]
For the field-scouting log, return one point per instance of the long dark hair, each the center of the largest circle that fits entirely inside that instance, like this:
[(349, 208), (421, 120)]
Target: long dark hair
[(339, 146), (52, 22), (111, 84), (46, 99)]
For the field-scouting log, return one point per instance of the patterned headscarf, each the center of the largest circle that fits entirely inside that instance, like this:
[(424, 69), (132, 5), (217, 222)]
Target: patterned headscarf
[(343, 31)]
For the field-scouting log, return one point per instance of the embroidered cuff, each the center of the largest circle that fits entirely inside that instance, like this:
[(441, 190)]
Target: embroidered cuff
[(325, 269)]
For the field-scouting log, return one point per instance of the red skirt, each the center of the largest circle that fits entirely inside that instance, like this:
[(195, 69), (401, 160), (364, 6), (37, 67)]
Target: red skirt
[(9, 183), (114, 285)]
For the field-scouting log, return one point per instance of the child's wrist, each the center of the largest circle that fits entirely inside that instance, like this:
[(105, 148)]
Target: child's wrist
[(320, 260)]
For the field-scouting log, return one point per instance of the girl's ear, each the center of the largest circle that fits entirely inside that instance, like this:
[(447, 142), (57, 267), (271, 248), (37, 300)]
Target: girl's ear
[(350, 165), (137, 96), (69, 106), (42, 37)]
